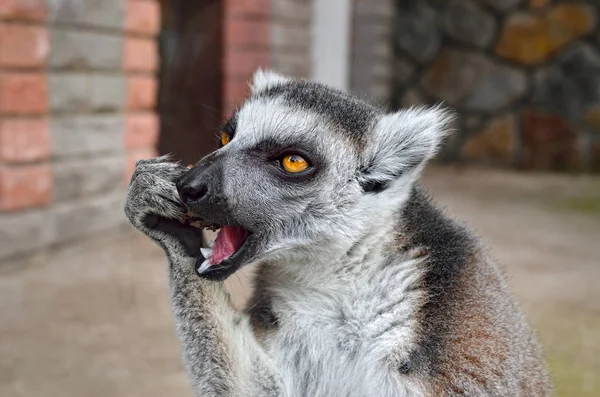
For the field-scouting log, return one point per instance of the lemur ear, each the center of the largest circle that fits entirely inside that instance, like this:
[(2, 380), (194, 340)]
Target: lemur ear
[(400, 144), (264, 79)]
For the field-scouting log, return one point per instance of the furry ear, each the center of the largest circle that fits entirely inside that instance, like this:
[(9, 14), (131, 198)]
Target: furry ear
[(265, 79), (401, 143)]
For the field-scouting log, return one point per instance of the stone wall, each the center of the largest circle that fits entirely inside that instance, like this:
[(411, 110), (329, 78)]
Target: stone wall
[(77, 92), (371, 62), (523, 75)]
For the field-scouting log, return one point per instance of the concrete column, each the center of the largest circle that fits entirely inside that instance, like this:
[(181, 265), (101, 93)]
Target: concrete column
[(331, 42)]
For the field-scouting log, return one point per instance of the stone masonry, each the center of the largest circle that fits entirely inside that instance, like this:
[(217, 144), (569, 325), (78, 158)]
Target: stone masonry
[(77, 92), (371, 60), (524, 76)]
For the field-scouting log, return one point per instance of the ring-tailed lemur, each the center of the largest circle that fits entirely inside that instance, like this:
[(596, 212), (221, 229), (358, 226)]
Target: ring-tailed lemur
[(364, 288)]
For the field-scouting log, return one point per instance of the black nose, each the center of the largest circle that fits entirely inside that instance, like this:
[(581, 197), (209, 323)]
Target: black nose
[(192, 191)]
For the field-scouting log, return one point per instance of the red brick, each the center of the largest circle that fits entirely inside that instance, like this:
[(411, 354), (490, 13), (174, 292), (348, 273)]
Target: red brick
[(23, 46), (242, 64), (141, 130), (25, 186), (141, 92), (23, 93), (235, 91), (229, 108), (134, 156), (140, 55), (143, 17), (247, 7), (240, 32), (24, 140), (34, 10)]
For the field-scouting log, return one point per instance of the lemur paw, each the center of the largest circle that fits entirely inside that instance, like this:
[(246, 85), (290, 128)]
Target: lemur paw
[(153, 206)]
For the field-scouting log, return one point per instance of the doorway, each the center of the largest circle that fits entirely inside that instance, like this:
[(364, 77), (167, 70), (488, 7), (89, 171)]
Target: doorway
[(190, 79)]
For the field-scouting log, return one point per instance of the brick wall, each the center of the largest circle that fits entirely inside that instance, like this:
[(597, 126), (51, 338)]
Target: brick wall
[(140, 64), (372, 49), (77, 96), (25, 171), (263, 33), (291, 37), (246, 40), (26, 178), (77, 91)]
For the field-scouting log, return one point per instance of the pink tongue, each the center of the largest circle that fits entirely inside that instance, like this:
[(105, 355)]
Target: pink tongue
[(229, 239)]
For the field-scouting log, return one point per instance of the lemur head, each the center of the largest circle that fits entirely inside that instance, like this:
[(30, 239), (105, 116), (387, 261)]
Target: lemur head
[(304, 169)]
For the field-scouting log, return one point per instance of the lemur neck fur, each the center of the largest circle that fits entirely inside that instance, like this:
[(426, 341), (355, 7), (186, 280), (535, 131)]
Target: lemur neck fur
[(339, 264)]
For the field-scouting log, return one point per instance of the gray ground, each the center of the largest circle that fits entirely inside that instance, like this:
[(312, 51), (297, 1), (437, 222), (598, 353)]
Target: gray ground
[(94, 319)]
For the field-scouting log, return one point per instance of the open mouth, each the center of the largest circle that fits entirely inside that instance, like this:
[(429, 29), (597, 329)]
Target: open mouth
[(226, 254), (229, 241)]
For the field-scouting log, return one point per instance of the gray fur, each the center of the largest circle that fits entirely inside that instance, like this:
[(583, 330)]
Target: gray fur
[(364, 288)]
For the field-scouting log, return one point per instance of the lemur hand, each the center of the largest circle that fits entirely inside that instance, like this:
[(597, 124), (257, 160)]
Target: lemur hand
[(153, 207)]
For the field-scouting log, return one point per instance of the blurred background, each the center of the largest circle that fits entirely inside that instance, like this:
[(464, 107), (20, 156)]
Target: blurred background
[(87, 87)]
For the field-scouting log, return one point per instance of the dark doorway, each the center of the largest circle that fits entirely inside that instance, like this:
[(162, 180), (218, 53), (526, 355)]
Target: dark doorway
[(190, 81)]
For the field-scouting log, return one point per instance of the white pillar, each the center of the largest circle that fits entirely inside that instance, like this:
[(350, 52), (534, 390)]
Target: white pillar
[(331, 42)]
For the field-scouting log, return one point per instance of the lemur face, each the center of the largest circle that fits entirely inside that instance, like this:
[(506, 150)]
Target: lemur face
[(302, 167)]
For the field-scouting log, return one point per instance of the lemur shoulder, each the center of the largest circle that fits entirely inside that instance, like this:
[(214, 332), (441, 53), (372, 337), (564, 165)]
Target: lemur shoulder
[(364, 287)]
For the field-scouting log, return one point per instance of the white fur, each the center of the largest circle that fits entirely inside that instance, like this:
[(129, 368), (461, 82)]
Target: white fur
[(264, 79), (404, 139), (321, 353), (262, 119)]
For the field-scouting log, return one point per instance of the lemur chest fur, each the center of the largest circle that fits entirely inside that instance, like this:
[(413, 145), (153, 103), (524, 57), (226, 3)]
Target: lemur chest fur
[(351, 333)]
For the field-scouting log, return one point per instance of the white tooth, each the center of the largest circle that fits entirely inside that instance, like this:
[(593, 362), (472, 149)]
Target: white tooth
[(211, 243), (206, 252), (204, 266)]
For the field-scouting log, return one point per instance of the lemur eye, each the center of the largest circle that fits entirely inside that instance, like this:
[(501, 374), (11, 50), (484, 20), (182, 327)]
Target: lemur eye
[(225, 138), (293, 163)]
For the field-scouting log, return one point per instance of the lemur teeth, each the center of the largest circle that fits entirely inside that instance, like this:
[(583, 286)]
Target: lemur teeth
[(206, 252), (204, 266)]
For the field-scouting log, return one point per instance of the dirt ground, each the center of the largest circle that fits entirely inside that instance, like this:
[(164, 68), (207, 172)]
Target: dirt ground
[(93, 319)]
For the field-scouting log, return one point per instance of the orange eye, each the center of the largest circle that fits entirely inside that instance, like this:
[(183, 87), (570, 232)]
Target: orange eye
[(293, 163), (225, 138)]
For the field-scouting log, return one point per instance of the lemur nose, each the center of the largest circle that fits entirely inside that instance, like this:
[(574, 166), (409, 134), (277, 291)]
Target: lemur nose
[(191, 191)]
